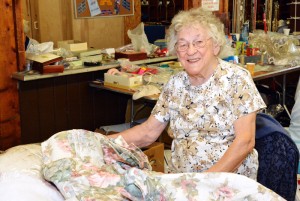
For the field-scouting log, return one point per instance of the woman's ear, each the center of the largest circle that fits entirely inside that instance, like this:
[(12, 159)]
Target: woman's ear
[(216, 49)]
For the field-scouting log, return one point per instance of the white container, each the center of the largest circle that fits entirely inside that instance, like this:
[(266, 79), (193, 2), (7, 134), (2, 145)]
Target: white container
[(72, 45), (286, 32), (123, 80)]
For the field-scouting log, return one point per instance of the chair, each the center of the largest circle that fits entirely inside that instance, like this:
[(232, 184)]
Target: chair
[(278, 157), (294, 127)]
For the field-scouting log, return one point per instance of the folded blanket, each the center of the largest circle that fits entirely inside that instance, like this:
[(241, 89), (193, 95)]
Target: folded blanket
[(88, 166)]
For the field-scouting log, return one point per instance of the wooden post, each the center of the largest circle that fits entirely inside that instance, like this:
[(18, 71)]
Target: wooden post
[(191, 4), (130, 22), (12, 59)]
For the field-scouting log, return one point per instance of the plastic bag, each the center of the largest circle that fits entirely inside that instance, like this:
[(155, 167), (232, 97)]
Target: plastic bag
[(139, 39), (39, 48), (280, 49), (128, 66)]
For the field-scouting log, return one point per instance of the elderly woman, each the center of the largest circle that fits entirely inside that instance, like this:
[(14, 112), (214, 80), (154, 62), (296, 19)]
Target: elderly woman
[(211, 105)]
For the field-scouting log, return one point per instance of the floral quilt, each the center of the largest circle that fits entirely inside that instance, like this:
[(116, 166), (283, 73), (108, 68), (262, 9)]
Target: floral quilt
[(88, 166)]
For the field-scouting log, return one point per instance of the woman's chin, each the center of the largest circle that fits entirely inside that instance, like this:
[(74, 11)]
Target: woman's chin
[(192, 69), (192, 72)]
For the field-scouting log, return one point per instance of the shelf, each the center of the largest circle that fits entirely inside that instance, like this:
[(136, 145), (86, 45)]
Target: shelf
[(164, 10)]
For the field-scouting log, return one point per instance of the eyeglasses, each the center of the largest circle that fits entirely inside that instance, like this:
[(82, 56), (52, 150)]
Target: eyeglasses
[(183, 46)]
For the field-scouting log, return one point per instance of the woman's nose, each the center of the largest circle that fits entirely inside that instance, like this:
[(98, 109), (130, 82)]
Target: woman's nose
[(191, 49)]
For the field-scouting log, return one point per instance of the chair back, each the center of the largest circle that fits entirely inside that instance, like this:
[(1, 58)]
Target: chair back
[(278, 157)]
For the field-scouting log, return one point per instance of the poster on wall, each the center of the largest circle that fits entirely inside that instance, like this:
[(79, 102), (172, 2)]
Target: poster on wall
[(212, 5), (102, 8)]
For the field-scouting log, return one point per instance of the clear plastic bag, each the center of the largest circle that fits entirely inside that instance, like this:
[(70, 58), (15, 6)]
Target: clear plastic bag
[(39, 48), (139, 39), (280, 49)]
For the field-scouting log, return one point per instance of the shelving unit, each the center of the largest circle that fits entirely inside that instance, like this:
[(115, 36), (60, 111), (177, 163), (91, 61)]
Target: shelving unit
[(160, 10), (294, 16)]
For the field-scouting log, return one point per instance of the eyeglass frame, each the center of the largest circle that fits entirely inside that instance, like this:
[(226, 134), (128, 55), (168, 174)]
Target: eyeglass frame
[(193, 43)]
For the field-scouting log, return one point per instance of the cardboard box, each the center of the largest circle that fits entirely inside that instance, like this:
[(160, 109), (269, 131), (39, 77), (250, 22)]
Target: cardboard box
[(43, 62), (131, 55), (155, 153), (72, 45), (94, 58), (87, 53), (123, 81), (53, 69)]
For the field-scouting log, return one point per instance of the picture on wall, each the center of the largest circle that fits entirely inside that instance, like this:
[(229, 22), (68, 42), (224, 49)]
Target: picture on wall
[(102, 8), (212, 5)]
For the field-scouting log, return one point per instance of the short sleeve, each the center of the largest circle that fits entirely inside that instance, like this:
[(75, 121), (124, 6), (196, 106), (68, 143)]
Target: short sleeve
[(245, 96), (161, 110)]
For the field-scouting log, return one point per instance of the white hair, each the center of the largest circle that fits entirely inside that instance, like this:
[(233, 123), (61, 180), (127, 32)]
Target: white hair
[(194, 17)]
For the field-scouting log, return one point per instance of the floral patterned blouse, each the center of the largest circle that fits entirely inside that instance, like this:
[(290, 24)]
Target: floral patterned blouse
[(201, 117)]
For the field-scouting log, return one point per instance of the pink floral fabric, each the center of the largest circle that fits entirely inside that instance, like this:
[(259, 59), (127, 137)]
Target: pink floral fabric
[(88, 166)]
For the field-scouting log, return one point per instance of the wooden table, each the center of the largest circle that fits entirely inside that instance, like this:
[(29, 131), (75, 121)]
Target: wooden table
[(271, 71), (146, 99), (268, 71)]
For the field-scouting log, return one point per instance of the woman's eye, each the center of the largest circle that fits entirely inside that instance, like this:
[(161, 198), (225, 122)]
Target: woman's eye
[(198, 43), (182, 45)]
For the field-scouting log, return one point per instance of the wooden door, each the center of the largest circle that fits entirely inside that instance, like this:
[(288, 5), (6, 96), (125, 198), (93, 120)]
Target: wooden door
[(49, 20), (30, 13), (54, 21)]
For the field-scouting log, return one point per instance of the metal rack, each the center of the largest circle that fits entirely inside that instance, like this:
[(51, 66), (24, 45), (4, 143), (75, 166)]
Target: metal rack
[(296, 16), (160, 10)]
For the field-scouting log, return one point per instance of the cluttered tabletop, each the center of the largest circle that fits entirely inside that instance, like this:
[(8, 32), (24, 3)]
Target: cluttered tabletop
[(264, 55), (80, 67)]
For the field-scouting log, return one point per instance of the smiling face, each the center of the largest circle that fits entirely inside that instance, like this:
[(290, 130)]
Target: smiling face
[(197, 61)]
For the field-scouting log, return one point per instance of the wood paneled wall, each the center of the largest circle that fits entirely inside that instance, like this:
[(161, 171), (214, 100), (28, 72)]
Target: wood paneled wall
[(130, 22), (56, 22), (52, 105), (12, 59), (99, 32)]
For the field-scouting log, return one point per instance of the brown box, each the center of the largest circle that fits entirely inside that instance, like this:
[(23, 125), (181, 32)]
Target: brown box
[(131, 55), (155, 153), (53, 69), (43, 62), (45, 69)]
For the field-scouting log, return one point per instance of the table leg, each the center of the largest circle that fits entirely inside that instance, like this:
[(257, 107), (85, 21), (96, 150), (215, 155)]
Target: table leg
[(134, 112), (284, 95), (131, 113)]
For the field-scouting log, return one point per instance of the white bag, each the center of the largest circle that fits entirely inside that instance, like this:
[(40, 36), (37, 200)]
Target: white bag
[(139, 39)]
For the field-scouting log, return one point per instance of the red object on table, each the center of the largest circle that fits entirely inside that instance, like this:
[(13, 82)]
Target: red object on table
[(131, 55), (143, 70), (53, 69), (265, 23)]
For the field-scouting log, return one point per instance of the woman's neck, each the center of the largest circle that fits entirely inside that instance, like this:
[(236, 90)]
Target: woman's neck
[(202, 77)]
